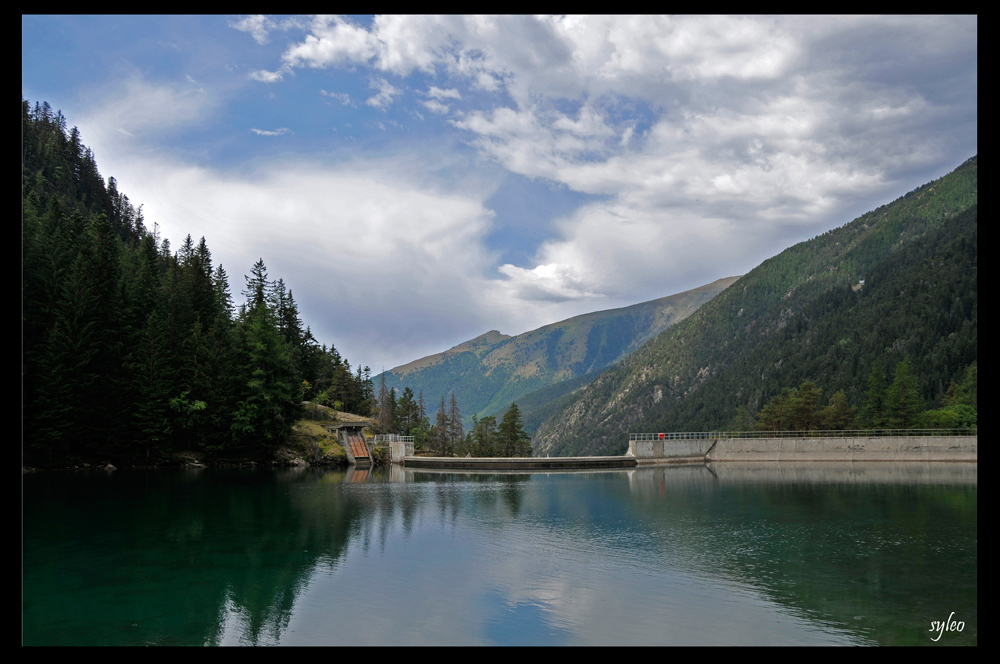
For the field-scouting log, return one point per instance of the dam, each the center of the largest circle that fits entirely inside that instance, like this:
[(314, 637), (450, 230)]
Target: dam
[(851, 445), (723, 446)]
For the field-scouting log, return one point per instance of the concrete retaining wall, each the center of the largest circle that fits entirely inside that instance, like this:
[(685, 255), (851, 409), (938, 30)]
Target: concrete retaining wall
[(650, 450), (520, 463), (399, 451), (890, 448)]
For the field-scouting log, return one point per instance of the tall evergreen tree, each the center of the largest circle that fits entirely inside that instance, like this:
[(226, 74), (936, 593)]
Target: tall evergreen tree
[(455, 433), (258, 288), (441, 430), (805, 407), (268, 402), (513, 440), (384, 421), (777, 414), (873, 411), (838, 415), (484, 436), (408, 416)]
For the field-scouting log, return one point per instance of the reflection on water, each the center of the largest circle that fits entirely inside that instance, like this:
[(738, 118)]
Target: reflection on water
[(722, 554)]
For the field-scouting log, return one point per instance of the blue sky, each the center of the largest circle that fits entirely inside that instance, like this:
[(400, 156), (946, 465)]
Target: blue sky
[(417, 181)]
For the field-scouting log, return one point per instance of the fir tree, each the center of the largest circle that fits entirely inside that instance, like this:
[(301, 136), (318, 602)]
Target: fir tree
[(441, 431), (513, 440), (805, 407), (873, 411), (455, 433), (838, 415), (777, 414), (384, 421)]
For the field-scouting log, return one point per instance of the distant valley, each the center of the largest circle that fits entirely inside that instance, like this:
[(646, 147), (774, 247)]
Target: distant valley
[(488, 373)]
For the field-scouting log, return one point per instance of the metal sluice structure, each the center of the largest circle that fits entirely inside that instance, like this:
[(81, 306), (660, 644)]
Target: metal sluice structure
[(351, 437), (358, 447)]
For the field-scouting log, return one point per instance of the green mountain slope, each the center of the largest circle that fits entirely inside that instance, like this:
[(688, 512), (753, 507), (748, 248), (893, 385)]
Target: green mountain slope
[(493, 370), (802, 315)]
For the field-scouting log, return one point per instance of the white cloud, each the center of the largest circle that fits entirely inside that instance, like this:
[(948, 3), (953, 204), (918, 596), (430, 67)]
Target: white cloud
[(136, 108), (342, 97), (331, 41), (435, 106), (359, 244), (257, 25), (437, 93), (386, 91), (276, 132), (260, 26), (711, 141), (553, 281), (267, 76)]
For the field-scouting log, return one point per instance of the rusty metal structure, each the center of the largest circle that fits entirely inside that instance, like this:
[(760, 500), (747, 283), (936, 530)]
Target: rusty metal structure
[(352, 439)]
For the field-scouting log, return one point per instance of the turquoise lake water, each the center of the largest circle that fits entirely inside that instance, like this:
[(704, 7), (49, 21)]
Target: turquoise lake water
[(743, 554)]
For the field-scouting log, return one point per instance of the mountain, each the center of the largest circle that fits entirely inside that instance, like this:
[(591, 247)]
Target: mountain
[(493, 370), (899, 282)]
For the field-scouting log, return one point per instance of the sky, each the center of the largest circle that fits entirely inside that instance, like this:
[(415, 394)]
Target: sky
[(418, 181)]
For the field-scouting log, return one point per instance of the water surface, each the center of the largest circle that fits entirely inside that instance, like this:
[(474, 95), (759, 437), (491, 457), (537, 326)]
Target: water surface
[(794, 554)]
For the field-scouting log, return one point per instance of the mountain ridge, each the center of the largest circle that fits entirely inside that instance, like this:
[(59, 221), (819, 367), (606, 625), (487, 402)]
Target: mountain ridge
[(732, 351), (493, 370)]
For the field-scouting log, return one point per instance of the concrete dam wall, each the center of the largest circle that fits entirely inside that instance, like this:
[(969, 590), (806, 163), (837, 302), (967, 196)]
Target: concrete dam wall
[(875, 448)]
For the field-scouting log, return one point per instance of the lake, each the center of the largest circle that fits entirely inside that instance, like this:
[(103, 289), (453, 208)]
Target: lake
[(744, 554)]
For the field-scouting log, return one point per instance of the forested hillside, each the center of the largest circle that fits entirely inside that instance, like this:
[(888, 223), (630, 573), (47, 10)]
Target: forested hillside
[(131, 351), (492, 371), (898, 283)]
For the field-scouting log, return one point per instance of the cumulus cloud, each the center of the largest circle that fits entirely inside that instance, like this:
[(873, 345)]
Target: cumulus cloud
[(331, 41), (555, 282), (384, 259), (709, 143)]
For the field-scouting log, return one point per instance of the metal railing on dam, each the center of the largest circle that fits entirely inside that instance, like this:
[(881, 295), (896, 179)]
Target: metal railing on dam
[(392, 438), (848, 433)]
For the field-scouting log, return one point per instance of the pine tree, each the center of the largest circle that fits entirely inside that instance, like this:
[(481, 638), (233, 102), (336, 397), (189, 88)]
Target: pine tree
[(966, 392), (873, 412), (385, 424), (805, 407), (777, 414), (220, 286), (484, 436), (513, 440), (838, 415), (455, 433), (258, 288), (269, 403), (407, 412), (441, 430)]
